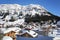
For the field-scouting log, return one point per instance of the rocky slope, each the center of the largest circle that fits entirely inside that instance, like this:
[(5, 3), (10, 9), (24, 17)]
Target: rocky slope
[(31, 13)]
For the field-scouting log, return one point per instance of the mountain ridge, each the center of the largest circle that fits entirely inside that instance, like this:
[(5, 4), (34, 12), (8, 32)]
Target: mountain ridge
[(33, 11)]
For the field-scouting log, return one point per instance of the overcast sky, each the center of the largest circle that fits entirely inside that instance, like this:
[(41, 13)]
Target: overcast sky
[(52, 6)]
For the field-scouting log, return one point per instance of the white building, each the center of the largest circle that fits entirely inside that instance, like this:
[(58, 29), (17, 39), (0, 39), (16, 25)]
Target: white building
[(28, 33)]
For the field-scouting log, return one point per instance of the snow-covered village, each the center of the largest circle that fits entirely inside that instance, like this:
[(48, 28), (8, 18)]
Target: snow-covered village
[(28, 22)]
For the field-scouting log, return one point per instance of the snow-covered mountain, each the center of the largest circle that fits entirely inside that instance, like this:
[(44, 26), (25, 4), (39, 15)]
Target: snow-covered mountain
[(32, 12), (28, 9)]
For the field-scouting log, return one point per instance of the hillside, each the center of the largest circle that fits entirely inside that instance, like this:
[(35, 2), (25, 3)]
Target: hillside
[(31, 13)]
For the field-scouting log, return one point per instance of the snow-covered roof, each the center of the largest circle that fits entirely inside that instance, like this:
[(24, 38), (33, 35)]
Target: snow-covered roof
[(15, 29), (7, 38), (30, 32)]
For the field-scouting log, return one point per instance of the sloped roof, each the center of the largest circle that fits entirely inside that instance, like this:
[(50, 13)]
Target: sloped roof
[(30, 32), (15, 29)]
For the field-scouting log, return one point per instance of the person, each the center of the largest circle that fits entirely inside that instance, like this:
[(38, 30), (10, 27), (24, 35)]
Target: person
[(7, 38)]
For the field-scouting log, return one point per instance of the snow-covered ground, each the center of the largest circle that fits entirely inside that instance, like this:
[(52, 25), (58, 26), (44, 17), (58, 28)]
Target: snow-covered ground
[(55, 33), (14, 15)]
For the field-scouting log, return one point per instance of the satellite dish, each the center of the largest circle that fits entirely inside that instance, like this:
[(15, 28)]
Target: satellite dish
[(7, 38)]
